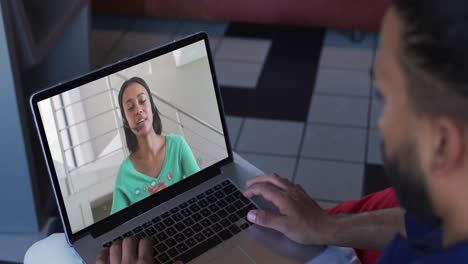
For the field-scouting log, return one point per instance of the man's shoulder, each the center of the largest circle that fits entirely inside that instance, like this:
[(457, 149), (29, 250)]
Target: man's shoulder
[(423, 244), (416, 230), (454, 254)]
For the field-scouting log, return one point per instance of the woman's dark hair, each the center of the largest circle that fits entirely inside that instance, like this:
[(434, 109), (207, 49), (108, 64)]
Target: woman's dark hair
[(434, 55), (132, 143)]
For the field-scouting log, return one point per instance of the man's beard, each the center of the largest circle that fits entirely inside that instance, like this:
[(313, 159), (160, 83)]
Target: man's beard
[(405, 175)]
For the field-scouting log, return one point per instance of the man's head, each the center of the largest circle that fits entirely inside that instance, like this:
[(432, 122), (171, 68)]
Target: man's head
[(422, 73)]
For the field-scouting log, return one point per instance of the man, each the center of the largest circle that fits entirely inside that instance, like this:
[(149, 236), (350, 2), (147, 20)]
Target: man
[(421, 71)]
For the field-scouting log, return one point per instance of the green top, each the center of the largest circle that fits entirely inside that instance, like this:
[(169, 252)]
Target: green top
[(132, 186)]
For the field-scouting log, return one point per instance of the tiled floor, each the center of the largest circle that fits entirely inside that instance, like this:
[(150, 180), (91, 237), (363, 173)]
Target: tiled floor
[(277, 137), (307, 94)]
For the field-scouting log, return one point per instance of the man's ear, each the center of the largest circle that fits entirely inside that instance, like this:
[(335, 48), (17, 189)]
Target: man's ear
[(448, 145)]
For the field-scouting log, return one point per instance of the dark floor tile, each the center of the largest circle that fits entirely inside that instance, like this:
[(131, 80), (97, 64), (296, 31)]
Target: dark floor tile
[(374, 179), (287, 80)]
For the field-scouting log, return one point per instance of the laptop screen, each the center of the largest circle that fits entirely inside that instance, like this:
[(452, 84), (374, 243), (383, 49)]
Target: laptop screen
[(124, 137)]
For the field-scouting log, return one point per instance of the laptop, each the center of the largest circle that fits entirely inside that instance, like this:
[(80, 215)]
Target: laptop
[(199, 216)]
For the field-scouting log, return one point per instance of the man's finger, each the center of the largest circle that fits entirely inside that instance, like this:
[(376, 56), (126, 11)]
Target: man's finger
[(267, 219), (270, 193), (115, 252), (274, 179), (145, 250), (129, 250), (103, 257)]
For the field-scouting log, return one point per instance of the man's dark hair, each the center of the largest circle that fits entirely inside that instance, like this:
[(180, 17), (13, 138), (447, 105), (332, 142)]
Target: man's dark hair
[(434, 55), (132, 142)]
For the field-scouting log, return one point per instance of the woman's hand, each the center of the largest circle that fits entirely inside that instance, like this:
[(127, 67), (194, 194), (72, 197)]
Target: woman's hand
[(300, 218), (128, 251), (157, 188)]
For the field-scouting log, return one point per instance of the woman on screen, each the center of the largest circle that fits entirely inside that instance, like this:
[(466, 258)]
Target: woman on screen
[(155, 161)]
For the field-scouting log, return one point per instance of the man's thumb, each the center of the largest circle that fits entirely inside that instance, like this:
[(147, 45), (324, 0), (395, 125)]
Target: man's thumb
[(266, 219)]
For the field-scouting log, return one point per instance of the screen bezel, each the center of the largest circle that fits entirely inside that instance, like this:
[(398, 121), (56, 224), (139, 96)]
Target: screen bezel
[(144, 205)]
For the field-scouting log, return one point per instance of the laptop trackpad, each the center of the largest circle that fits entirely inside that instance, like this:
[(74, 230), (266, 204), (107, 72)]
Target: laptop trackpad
[(235, 256)]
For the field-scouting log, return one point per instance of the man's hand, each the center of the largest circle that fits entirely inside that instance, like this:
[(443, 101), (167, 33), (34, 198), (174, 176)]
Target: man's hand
[(128, 251), (300, 218)]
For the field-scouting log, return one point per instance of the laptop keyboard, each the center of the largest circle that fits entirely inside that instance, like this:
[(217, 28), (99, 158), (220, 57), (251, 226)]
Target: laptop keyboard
[(196, 225)]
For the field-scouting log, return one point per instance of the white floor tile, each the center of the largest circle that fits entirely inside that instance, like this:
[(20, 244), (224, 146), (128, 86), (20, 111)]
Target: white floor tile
[(238, 74), (334, 143), (270, 136), (335, 181), (283, 166), (243, 49), (339, 110), (234, 124), (343, 82), (347, 58), (373, 148)]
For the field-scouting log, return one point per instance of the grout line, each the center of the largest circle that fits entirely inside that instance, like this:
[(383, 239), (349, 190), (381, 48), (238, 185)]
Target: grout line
[(298, 158), (343, 39), (241, 61), (343, 68), (337, 125), (268, 154), (304, 130), (367, 144), (332, 160), (274, 119), (375, 100), (376, 40), (352, 96), (239, 134), (345, 96)]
